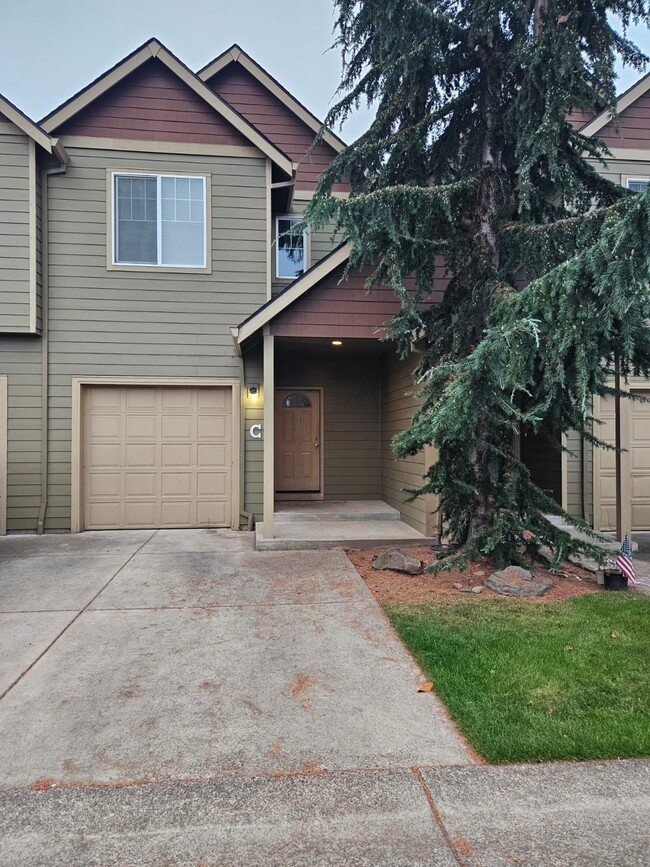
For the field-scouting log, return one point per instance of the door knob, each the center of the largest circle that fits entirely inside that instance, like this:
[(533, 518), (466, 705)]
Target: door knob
[(317, 442)]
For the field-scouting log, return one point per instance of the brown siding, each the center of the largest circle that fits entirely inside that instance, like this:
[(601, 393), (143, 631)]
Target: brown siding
[(345, 310), (271, 117), (397, 410), (578, 118), (350, 417), (152, 104), (632, 127)]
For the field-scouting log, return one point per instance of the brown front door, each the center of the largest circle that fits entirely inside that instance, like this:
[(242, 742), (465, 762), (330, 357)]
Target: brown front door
[(297, 440)]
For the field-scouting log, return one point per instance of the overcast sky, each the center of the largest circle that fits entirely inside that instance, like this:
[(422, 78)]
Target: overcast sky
[(49, 50)]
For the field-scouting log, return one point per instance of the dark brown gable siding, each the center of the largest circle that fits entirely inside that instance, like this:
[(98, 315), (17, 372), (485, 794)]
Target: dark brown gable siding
[(578, 118), (345, 310), (152, 104), (265, 111), (633, 126)]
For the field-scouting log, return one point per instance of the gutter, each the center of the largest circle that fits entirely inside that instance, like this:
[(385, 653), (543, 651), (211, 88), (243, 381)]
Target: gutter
[(45, 348)]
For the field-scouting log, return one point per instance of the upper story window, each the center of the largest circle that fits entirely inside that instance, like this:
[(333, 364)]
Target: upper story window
[(637, 184), (159, 221), (290, 249)]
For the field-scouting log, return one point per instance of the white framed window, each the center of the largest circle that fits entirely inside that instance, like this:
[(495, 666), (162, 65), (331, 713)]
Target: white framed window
[(159, 221), (289, 249), (636, 184)]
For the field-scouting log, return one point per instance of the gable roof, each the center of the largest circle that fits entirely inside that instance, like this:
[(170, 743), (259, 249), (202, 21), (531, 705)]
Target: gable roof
[(338, 256), (235, 54), (24, 124), (625, 100), (153, 48)]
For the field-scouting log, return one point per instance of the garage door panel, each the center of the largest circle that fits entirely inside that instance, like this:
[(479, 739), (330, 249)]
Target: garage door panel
[(180, 426), (177, 398), (211, 513), (213, 455), (140, 484), (176, 484), (141, 513), (104, 455), (213, 484), (136, 397), (640, 457), (103, 516), (104, 427), (178, 455), (213, 427), (157, 456), (141, 426), (140, 455), (104, 485)]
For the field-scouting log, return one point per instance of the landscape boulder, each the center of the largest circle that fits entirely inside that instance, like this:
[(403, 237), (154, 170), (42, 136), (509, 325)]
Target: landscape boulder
[(397, 560), (515, 581)]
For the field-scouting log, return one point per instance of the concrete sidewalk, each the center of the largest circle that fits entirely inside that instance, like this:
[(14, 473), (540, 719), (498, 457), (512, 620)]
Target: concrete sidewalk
[(175, 697)]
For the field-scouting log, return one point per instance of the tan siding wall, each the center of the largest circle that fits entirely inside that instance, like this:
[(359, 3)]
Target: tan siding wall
[(253, 495), (14, 233), (351, 417), (20, 361), (618, 170), (397, 410), (145, 323), (579, 501)]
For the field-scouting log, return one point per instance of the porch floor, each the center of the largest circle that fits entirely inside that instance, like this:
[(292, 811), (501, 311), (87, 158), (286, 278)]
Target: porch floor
[(337, 524)]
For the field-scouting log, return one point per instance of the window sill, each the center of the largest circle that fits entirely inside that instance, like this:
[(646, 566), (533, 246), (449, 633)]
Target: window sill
[(157, 269)]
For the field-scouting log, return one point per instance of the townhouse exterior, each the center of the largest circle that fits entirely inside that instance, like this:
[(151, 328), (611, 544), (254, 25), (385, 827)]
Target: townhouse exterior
[(171, 357)]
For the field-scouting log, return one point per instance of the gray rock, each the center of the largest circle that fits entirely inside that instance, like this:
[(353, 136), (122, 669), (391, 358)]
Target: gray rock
[(515, 581), (478, 589), (398, 561), (457, 586)]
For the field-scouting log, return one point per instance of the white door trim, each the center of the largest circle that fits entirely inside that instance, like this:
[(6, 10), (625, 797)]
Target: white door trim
[(78, 383)]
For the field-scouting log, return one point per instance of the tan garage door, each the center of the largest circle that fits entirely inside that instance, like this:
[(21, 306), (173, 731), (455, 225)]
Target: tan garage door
[(639, 465), (157, 457)]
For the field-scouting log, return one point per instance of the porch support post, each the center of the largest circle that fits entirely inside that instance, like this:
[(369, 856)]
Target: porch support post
[(269, 434), (623, 477)]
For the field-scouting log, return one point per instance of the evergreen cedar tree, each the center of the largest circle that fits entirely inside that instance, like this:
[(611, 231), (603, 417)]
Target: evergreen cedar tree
[(471, 161)]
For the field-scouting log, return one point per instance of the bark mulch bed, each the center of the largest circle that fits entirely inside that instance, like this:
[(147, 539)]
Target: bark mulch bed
[(397, 588)]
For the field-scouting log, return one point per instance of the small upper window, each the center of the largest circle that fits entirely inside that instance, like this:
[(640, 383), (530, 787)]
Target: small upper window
[(637, 184), (290, 249), (159, 220)]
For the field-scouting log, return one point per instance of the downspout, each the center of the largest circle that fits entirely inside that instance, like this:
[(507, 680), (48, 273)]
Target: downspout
[(45, 349)]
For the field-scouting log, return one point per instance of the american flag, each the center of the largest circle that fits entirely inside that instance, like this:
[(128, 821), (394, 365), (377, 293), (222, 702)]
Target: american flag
[(624, 561)]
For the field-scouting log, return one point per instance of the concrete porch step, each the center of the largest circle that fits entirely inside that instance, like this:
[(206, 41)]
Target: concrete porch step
[(335, 510), (311, 535)]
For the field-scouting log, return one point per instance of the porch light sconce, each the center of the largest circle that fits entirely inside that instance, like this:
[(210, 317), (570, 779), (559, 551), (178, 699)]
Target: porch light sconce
[(253, 391), (337, 343)]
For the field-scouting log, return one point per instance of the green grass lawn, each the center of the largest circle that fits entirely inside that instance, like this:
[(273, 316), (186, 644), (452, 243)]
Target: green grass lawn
[(536, 682)]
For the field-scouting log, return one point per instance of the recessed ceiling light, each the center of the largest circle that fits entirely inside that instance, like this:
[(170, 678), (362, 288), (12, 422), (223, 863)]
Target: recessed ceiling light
[(337, 343)]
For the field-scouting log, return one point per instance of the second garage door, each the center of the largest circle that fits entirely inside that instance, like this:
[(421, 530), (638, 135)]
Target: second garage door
[(157, 457), (639, 464)]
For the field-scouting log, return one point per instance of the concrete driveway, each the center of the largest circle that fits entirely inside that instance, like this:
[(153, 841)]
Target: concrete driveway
[(175, 697)]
